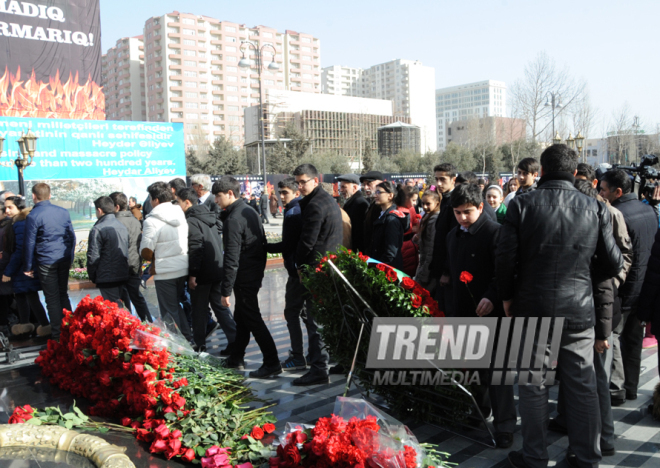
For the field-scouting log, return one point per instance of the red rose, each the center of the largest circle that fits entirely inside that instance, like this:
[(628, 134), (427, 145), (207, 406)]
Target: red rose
[(257, 433), (176, 434), (292, 455), (158, 446), (416, 301), (188, 455), (162, 431), (125, 421), (174, 445), (269, 428), (466, 277), (408, 284), (391, 276)]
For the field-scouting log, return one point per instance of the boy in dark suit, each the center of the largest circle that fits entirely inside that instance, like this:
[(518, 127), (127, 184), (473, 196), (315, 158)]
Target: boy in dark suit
[(471, 257)]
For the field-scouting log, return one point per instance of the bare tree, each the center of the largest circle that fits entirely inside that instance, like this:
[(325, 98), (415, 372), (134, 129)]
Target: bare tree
[(620, 135), (584, 118), (530, 93)]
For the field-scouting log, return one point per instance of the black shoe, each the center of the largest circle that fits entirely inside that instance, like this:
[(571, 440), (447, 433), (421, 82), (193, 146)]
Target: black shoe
[(293, 364), (555, 426), (516, 460), (606, 450), (229, 363), (211, 328), (504, 440), (337, 370), (631, 396), (311, 379), (572, 460), (265, 372), (617, 401), (199, 349), (228, 350)]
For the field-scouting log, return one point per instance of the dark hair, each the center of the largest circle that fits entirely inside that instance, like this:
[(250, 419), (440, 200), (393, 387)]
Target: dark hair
[(188, 194), (105, 204), (401, 196), (585, 187), (19, 202), (133, 199), (481, 181), (160, 191), (466, 177), (431, 193), (585, 170), (529, 165), (289, 183), (445, 167), (618, 178), (306, 169), (177, 184), (41, 191), (411, 191), (120, 200), (225, 184), (559, 158), (466, 194)]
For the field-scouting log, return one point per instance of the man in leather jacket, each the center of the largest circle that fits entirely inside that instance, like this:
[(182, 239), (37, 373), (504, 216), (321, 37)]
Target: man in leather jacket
[(545, 250)]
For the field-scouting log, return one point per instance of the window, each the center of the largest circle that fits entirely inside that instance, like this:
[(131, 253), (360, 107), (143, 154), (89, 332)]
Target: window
[(190, 63), (189, 53), (234, 128), (230, 29), (189, 32), (193, 117), (191, 42), (190, 84), (232, 88), (232, 98), (187, 21), (232, 108), (203, 86), (191, 105), (308, 76), (172, 30), (307, 57), (231, 58), (230, 39), (233, 118), (191, 95), (190, 74), (230, 49), (307, 49), (307, 85), (232, 78), (305, 40), (269, 82), (266, 34), (306, 67)]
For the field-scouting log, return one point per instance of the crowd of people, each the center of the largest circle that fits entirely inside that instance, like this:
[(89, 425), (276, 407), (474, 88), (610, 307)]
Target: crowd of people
[(554, 241)]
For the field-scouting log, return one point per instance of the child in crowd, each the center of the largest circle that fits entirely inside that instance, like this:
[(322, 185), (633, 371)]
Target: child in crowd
[(431, 207), (494, 197)]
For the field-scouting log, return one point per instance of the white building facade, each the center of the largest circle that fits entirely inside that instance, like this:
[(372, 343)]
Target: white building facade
[(122, 77), (467, 101)]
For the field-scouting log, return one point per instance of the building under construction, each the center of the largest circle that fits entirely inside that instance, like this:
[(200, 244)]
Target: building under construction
[(397, 137)]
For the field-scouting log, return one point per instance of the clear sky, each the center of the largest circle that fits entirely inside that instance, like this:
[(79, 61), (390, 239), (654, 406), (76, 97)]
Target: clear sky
[(611, 44)]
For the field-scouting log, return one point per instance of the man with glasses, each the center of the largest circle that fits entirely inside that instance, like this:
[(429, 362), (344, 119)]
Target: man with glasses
[(321, 231), (370, 181), (445, 180)]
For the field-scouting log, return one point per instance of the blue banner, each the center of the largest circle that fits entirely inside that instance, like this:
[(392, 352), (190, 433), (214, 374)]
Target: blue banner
[(86, 149)]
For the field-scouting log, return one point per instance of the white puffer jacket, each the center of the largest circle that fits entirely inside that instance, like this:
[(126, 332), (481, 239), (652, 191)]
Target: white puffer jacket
[(165, 232)]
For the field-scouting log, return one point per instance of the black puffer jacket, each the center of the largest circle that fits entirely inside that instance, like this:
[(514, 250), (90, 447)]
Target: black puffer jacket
[(356, 207), (134, 228), (204, 245), (642, 225), (107, 251), (387, 240), (322, 227), (648, 307), (545, 251), (245, 246)]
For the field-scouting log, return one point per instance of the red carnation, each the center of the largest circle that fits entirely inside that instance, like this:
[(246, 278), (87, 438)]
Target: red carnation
[(257, 433), (466, 277), (269, 428), (408, 283)]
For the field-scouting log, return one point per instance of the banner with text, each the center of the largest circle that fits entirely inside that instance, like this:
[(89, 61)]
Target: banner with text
[(51, 54), (82, 149)]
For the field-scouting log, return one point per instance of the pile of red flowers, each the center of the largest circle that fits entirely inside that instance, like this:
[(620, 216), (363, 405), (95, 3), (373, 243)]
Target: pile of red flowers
[(21, 414), (335, 442)]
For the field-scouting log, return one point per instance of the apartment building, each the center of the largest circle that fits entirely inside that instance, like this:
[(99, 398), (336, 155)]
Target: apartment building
[(122, 78), (468, 101), (192, 72), (407, 83)]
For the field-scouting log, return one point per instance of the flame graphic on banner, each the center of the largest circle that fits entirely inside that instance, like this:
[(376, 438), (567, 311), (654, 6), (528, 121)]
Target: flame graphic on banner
[(32, 98)]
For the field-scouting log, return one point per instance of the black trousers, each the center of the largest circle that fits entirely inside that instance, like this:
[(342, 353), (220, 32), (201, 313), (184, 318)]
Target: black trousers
[(30, 301), (201, 297), (627, 340), (55, 281), (294, 302), (248, 320), (112, 293), (132, 294)]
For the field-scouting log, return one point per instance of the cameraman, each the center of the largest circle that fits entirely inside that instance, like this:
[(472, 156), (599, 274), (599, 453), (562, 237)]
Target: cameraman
[(642, 224)]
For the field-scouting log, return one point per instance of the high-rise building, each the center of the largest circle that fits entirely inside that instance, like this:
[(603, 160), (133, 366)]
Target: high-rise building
[(122, 77), (468, 101), (407, 83), (192, 73)]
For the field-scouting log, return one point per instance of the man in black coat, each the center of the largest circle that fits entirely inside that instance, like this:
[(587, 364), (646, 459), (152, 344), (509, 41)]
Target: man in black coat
[(264, 206), (322, 231), (131, 292), (648, 308), (642, 225), (369, 182), (356, 207), (471, 248), (537, 277), (107, 252), (244, 264), (205, 269)]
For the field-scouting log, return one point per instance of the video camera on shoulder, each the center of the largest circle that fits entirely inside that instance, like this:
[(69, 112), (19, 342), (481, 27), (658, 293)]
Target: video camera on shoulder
[(644, 175)]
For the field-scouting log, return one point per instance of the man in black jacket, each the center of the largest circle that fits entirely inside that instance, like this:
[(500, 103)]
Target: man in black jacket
[(131, 291), (201, 184), (205, 269), (471, 247), (538, 277), (294, 297), (356, 207), (322, 231), (642, 225), (107, 252), (369, 182), (244, 264), (264, 206)]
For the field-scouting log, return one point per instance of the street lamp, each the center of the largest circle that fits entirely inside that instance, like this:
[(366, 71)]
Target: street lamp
[(27, 146), (555, 103), (247, 63), (579, 140), (570, 141), (556, 139)]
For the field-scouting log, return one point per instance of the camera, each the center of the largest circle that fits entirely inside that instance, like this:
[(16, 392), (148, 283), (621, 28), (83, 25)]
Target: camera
[(645, 176)]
